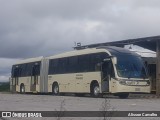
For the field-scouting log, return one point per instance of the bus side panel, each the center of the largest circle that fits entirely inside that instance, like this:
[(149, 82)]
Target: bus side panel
[(66, 82), (75, 83), (87, 79), (26, 81)]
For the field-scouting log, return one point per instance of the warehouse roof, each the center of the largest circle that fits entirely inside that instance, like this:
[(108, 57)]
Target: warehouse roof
[(147, 42)]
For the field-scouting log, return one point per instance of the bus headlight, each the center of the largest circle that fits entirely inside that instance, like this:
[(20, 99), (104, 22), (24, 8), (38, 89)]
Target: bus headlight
[(123, 82), (126, 82), (131, 82)]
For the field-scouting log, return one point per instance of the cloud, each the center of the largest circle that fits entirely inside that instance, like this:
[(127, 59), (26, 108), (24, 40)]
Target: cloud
[(4, 78), (42, 28), (5, 68), (6, 65)]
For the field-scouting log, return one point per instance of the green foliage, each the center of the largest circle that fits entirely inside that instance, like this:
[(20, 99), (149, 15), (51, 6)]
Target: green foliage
[(4, 87)]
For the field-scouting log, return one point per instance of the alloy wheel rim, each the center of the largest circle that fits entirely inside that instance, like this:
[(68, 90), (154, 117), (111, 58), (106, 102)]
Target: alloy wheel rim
[(56, 89), (22, 89), (96, 90)]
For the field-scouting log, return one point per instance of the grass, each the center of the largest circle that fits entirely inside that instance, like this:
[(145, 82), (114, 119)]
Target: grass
[(4, 87)]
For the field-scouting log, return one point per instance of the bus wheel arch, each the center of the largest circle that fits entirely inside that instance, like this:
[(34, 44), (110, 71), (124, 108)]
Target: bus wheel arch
[(22, 88), (94, 89), (55, 88)]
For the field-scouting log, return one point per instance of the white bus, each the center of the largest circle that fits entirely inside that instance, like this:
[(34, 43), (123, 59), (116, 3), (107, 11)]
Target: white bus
[(94, 70)]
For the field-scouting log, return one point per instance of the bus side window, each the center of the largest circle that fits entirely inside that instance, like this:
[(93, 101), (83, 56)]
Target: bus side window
[(29, 69), (95, 60), (37, 69), (83, 63), (23, 70), (15, 72), (53, 66), (62, 65), (72, 64)]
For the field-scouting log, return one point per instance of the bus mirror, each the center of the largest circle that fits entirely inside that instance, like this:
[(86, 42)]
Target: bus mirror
[(114, 60)]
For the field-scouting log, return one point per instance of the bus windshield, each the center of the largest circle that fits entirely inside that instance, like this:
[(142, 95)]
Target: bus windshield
[(129, 66)]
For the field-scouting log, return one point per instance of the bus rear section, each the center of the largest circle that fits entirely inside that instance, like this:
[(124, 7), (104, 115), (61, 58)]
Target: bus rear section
[(28, 76)]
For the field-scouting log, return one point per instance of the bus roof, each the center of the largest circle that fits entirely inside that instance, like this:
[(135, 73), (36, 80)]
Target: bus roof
[(29, 60), (118, 51), (79, 52), (111, 50)]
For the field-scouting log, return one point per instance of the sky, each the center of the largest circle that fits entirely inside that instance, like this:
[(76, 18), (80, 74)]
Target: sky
[(32, 28)]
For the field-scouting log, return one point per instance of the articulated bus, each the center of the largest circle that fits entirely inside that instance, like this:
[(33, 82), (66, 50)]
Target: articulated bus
[(96, 71)]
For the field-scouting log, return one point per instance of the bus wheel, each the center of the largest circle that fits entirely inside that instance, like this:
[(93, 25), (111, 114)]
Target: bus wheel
[(22, 89), (95, 91), (123, 95), (55, 89)]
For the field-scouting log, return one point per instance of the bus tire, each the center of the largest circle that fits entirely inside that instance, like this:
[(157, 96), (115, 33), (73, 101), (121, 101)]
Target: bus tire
[(55, 89), (123, 95), (95, 90), (22, 89)]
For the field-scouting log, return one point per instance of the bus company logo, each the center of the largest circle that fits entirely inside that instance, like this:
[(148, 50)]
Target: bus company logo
[(6, 114)]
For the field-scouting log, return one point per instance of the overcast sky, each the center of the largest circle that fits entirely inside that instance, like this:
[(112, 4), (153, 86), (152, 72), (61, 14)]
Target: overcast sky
[(30, 28)]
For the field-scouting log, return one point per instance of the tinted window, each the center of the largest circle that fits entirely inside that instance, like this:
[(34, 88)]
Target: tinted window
[(62, 65), (74, 64), (53, 65), (28, 69), (129, 66), (83, 63)]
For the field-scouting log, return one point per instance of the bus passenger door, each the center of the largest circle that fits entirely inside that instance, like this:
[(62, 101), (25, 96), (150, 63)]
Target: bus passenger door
[(106, 75), (34, 78)]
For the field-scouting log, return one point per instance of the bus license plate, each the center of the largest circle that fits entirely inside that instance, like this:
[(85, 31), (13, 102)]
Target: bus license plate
[(137, 89)]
